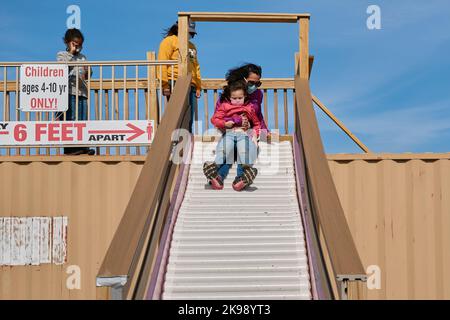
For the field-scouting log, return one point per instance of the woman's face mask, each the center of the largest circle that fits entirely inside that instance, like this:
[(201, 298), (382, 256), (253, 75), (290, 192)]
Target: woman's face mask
[(253, 83), (251, 88)]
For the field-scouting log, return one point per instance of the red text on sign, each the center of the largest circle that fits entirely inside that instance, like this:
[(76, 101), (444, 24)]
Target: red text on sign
[(20, 132), (59, 132), (44, 103), (39, 71)]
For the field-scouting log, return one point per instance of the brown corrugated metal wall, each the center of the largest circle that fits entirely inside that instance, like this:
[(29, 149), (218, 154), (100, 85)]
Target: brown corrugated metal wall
[(93, 195), (398, 208), (399, 215)]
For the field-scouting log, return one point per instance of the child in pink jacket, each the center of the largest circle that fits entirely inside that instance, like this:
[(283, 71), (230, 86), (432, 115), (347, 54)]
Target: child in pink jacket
[(234, 101)]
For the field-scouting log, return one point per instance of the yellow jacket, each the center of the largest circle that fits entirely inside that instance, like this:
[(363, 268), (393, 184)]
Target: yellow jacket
[(169, 50)]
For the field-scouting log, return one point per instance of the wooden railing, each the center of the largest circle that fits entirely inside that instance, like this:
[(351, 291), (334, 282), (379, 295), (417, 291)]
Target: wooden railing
[(117, 90), (337, 248), (127, 96), (277, 107), (130, 259)]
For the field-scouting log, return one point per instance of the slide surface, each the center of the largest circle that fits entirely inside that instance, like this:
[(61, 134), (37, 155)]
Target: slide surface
[(240, 245)]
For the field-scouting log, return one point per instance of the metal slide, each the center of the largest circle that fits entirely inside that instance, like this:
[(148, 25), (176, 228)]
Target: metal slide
[(239, 245)]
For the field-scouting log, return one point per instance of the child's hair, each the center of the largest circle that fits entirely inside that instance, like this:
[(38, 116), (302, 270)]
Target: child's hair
[(72, 34), (172, 31), (242, 72), (234, 86)]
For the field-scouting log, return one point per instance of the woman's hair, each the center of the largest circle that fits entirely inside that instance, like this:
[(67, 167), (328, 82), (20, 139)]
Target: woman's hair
[(234, 86), (172, 31), (72, 34), (242, 72)]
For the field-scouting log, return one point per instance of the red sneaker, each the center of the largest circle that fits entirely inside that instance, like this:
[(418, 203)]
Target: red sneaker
[(246, 179), (217, 183), (210, 171), (238, 184)]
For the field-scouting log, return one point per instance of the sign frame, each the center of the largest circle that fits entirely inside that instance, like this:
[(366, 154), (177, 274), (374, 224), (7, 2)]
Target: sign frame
[(18, 134), (44, 88)]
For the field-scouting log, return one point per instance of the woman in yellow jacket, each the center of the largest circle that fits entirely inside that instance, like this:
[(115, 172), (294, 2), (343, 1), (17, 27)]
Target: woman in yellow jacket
[(169, 50)]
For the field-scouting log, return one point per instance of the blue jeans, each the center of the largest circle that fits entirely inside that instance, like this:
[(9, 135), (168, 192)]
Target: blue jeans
[(71, 111), (71, 116), (193, 104), (246, 151), (225, 168)]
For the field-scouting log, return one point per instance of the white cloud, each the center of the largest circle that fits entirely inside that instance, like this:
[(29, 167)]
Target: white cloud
[(402, 130), (376, 59)]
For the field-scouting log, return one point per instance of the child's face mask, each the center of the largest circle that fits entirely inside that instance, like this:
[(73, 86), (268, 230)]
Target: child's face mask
[(237, 102), (237, 98)]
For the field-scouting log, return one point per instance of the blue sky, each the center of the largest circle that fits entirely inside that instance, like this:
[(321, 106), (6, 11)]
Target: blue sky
[(391, 87)]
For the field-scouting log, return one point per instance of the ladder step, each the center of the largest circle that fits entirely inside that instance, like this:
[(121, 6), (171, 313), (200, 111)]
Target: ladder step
[(237, 239), (245, 262), (219, 221), (178, 270), (294, 287), (237, 225), (233, 280), (216, 232)]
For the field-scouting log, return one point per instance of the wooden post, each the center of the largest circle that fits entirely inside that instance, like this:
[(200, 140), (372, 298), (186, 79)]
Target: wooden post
[(151, 77), (304, 48), (183, 62), (310, 64), (103, 293)]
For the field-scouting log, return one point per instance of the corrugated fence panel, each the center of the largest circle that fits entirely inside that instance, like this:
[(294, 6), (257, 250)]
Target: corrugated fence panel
[(76, 207), (397, 206), (33, 240), (399, 214)]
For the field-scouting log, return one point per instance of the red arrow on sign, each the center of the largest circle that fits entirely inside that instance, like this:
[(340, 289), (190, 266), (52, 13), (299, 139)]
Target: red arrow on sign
[(137, 131)]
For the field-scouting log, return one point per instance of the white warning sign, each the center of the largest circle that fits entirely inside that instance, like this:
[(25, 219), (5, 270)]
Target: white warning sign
[(114, 132), (44, 87)]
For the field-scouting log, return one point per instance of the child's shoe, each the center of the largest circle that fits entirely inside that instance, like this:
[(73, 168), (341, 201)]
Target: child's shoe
[(210, 171), (238, 184), (249, 174), (245, 179), (217, 183)]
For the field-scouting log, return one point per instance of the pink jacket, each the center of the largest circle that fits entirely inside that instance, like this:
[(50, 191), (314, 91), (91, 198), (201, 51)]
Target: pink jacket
[(226, 110), (255, 99)]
